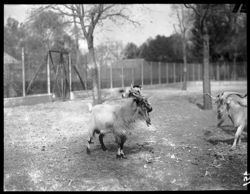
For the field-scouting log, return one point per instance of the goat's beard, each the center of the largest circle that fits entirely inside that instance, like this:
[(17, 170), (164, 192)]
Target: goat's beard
[(148, 122), (219, 115)]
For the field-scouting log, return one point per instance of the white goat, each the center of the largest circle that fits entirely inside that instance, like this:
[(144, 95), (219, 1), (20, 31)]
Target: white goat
[(220, 101), (130, 91), (238, 115), (233, 105), (116, 119)]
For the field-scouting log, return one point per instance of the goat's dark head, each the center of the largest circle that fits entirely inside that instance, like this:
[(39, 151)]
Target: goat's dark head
[(221, 99), (221, 108), (130, 91), (145, 107)]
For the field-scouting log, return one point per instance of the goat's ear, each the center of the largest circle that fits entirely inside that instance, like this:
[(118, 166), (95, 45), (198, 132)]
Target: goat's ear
[(121, 90), (136, 100), (148, 97), (228, 100)]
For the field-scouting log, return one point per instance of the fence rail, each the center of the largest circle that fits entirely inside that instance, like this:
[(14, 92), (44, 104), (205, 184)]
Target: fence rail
[(118, 74)]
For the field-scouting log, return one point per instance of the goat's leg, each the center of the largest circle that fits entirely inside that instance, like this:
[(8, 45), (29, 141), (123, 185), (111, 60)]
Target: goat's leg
[(236, 137), (88, 144), (101, 141), (91, 136), (220, 121), (239, 137), (239, 141), (123, 139), (120, 140)]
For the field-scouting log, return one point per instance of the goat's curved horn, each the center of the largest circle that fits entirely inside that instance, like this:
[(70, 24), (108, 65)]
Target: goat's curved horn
[(227, 94), (137, 96)]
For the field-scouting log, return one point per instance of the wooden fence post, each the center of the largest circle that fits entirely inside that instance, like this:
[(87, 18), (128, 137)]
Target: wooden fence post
[(133, 75), (193, 71), (245, 68), (99, 76), (70, 78), (224, 72), (111, 77), (235, 72), (142, 70), (199, 72), (159, 73), (217, 72), (166, 72), (23, 72), (48, 75), (71, 95), (174, 74), (122, 76), (151, 74)]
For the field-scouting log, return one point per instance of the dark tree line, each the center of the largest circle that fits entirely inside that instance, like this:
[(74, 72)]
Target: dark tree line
[(227, 39), (227, 35), (161, 48)]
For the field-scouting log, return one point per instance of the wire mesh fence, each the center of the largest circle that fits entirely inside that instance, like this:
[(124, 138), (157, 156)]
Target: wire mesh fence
[(118, 74)]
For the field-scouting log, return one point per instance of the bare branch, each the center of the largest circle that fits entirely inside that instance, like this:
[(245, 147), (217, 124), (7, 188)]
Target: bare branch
[(120, 15), (62, 12), (204, 15), (180, 20), (37, 12), (108, 7), (175, 28), (82, 10), (70, 7), (193, 8), (99, 13)]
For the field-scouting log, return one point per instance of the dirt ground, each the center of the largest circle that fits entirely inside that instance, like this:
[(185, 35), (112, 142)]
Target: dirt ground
[(44, 148)]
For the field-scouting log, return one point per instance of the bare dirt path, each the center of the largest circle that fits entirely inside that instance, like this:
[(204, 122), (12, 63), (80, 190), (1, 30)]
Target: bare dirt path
[(44, 148)]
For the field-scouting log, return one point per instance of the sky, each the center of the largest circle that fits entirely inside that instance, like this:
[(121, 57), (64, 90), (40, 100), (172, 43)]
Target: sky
[(155, 19)]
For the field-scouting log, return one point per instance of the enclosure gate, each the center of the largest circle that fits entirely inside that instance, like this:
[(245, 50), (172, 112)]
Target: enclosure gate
[(60, 78)]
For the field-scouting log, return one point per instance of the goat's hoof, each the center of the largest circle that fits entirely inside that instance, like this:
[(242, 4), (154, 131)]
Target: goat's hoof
[(121, 156), (232, 148), (87, 150), (104, 148)]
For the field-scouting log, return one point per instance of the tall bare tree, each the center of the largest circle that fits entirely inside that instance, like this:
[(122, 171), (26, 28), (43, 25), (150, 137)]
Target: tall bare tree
[(184, 24), (88, 17), (202, 12)]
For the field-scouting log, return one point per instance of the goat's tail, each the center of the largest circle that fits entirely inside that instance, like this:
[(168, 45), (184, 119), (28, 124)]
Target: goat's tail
[(90, 106)]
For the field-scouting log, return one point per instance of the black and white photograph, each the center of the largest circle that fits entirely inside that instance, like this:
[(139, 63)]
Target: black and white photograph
[(125, 97)]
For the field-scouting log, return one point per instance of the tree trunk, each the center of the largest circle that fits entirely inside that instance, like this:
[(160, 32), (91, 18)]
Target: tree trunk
[(206, 80), (78, 54), (184, 85), (235, 46), (94, 72)]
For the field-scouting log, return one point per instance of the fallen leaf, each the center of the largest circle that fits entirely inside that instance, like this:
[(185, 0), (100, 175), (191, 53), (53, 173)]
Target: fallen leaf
[(207, 173)]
